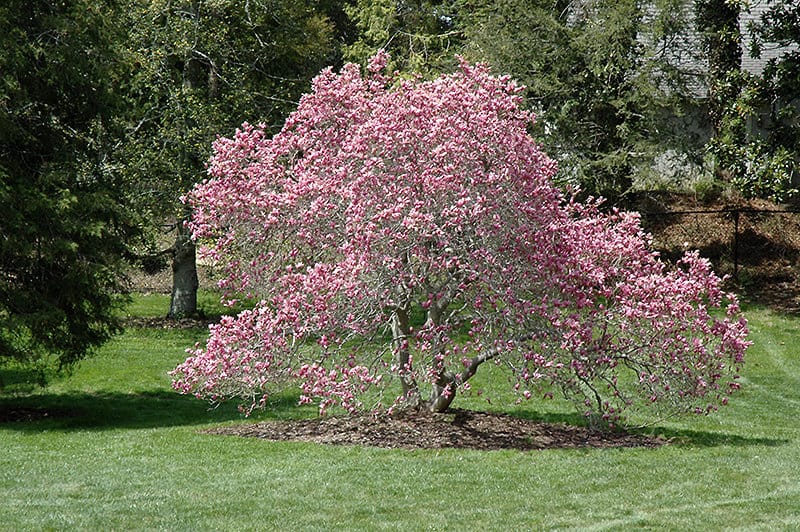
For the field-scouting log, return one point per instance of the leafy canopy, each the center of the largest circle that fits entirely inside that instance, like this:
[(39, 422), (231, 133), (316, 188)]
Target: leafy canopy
[(200, 68), (760, 148), (605, 77), (385, 200)]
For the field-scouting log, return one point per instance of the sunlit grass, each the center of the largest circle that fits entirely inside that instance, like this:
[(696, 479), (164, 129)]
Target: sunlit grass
[(157, 305), (127, 453)]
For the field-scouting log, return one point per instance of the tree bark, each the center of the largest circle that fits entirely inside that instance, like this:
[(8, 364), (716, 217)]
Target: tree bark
[(443, 392), (401, 332), (446, 385), (184, 276), (184, 265)]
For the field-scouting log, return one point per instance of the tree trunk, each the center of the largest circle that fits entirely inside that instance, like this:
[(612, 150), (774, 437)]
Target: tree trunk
[(401, 333), (184, 276), (446, 385), (443, 393), (184, 265)]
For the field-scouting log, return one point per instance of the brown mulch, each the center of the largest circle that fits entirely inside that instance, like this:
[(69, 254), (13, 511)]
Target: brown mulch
[(462, 429)]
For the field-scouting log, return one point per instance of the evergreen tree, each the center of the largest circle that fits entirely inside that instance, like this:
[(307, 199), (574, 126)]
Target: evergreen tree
[(64, 222), (602, 74), (422, 36)]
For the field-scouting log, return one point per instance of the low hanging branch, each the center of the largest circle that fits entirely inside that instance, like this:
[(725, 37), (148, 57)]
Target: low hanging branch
[(424, 209)]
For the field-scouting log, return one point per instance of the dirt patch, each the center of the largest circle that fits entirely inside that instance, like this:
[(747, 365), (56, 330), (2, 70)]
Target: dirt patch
[(755, 243), (168, 323), (461, 429)]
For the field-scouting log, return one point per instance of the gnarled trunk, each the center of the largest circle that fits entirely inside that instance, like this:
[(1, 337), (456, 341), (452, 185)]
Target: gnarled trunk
[(401, 332), (443, 392), (444, 389)]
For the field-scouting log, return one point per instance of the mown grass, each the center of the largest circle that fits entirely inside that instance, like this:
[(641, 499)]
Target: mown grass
[(128, 454)]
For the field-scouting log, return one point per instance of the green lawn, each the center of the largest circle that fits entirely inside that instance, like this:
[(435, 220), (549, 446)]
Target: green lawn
[(129, 455)]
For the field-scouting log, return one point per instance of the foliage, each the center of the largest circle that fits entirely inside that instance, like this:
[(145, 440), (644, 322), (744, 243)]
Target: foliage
[(64, 223), (383, 199), (755, 144), (422, 36), (605, 76), (198, 68), (718, 24), (732, 157), (769, 104)]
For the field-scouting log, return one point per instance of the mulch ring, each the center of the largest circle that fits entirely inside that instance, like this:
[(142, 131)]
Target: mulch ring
[(461, 429)]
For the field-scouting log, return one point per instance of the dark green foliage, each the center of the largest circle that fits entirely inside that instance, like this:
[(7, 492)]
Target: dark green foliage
[(780, 83), (755, 146), (609, 79), (775, 99), (422, 36), (718, 24), (199, 69), (597, 73), (63, 221)]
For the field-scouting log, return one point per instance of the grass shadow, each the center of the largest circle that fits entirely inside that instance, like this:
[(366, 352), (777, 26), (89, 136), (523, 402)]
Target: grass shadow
[(76, 411), (695, 438), (683, 437), (143, 410)]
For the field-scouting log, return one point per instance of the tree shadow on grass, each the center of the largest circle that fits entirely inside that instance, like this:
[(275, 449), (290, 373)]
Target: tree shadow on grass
[(163, 408), (681, 437), (142, 410), (695, 438)]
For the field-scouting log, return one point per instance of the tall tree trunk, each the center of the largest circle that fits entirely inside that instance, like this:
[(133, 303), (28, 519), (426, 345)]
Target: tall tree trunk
[(184, 265), (184, 276)]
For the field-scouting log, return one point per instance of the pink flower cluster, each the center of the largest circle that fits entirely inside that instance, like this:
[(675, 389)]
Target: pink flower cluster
[(397, 233)]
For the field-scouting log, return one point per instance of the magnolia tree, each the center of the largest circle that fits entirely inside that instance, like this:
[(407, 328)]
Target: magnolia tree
[(397, 234)]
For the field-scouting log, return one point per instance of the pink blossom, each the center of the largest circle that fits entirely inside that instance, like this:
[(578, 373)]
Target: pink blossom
[(390, 216)]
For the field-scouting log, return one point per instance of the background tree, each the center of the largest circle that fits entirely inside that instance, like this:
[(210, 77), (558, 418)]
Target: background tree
[(763, 159), (64, 222), (199, 68), (422, 36), (397, 235), (718, 24), (605, 78)]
